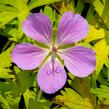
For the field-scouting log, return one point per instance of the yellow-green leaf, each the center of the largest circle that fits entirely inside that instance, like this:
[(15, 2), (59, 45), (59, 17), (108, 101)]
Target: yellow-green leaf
[(94, 34), (101, 55), (73, 100)]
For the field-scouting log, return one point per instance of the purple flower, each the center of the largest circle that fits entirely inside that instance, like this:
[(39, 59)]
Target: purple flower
[(80, 61)]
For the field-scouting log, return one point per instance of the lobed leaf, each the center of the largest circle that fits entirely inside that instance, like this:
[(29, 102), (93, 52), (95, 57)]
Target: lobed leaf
[(73, 100)]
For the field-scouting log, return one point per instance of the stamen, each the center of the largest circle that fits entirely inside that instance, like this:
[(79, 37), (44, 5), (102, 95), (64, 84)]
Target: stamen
[(54, 49)]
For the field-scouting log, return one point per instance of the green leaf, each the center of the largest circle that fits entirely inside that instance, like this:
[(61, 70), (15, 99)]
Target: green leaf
[(8, 90), (99, 7), (34, 104), (66, 6), (5, 63), (37, 3), (27, 96), (94, 34), (103, 77), (25, 80), (102, 93), (6, 16), (9, 87), (81, 85), (50, 13), (102, 10), (14, 34), (79, 7), (19, 9), (106, 37), (73, 100), (101, 55), (4, 103), (11, 10), (13, 101), (57, 107), (14, 3), (90, 14)]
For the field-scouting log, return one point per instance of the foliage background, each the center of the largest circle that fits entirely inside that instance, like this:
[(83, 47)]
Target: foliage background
[(19, 90)]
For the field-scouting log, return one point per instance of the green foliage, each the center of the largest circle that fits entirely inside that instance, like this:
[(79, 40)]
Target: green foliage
[(50, 13), (27, 96), (98, 33), (81, 86), (5, 63), (25, 80), (73, 100), (80, 93), (11, 90), (94, 34), (8, 90), (101, 54), (31, 102), (40, 105), (37, 3), (102, 9), (102, 93), (79, 96), (17, 10)]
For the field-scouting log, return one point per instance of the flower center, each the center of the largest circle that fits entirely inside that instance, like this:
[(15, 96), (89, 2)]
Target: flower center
[(54, 49)]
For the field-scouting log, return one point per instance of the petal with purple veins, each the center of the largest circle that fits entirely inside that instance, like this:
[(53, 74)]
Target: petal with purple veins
[(38, 27), (80, 61), (72, 28), (27, 56), (51, 80)]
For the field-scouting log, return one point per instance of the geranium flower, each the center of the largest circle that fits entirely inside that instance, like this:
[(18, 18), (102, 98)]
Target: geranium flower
[(80, 61)]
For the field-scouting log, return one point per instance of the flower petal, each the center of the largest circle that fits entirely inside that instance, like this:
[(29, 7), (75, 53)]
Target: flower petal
[(72, 28), (50, 80), (27, 56), (38, 27), (80, 61)]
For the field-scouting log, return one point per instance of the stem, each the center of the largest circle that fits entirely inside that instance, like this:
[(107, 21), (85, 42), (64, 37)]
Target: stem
[(6, 45), (93, 85), (39, 95), (93, 81)]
